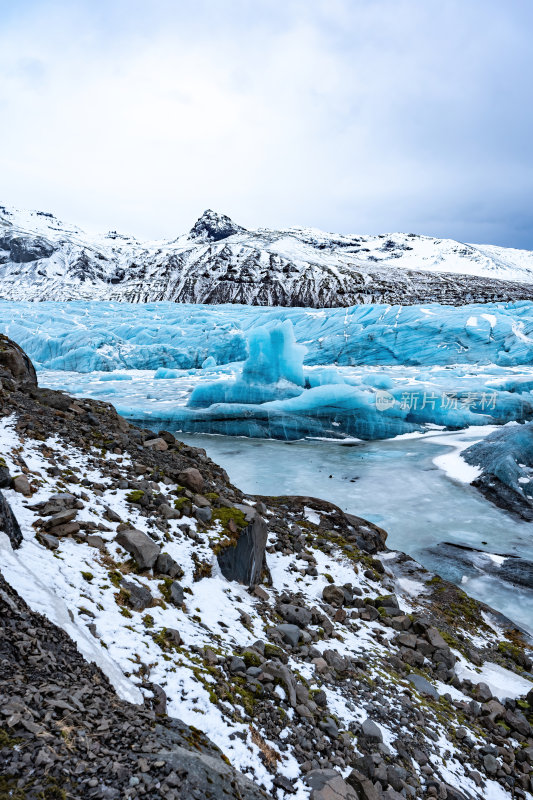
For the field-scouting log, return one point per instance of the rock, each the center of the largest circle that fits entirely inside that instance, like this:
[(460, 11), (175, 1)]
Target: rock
[(176, 593), (143, 549), (168, 512), (49, 541), (203, 514), (244, 560), (59, 519), (333, 595), (371, 731), (22, 485), (237, 664), (364, 789), (491, 764), (290, 633), (9, 524), (483, 693), (68, 529), (295, 615), (139, 597), (111, 515), (5, 476), (156, 444), (165, 565), (435, 639), (192, 479), (15, 364), (423, 686)]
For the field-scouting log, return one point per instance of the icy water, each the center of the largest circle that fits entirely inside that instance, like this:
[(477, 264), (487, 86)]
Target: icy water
[(397, 485)]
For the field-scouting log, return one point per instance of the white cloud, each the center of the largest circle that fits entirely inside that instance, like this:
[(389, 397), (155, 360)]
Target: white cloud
[(347, 115)]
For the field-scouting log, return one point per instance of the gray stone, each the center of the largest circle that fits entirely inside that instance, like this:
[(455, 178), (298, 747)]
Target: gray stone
[(435, 639), (423, 686), (165, 565), (203, 514), (291, 633), (49, 541), (371, 731), (483, 693), (143, 549), (59, 519), (237, 664), (364, 789), (139, 597), (491, 764), (176, 593), (295, 615)]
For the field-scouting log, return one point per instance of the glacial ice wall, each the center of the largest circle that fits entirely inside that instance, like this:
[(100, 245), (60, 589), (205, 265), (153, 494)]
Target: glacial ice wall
[(89, 336)]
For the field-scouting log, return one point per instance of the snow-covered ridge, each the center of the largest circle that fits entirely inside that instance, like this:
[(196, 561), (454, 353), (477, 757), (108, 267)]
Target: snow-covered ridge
[(217, 261)]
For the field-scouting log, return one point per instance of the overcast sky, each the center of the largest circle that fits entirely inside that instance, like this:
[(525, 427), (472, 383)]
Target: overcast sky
[(361, 116)]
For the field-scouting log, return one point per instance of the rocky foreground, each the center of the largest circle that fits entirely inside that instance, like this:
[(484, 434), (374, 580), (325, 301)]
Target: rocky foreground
[(271, 646)]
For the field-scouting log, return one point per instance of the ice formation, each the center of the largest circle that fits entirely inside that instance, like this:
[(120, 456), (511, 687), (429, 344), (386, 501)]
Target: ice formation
[(369, 371), (90, 336)]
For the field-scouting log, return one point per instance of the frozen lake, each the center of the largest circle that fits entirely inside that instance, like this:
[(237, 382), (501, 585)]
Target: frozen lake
[(397, 485)]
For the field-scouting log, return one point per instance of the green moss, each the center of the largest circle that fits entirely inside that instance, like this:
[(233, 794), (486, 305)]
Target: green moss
[(125, 612), (148, 621), (6, 740), (272, 651), (328, 577), (8, 789), (212, 496), (224, 516), (251, 659), (181, 502), (512, 651), (115, 577), (88, 576), (164, 588), (135, 496), (52, 792)]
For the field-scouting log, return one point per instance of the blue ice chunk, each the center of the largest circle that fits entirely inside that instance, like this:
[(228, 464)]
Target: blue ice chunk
[(209, 362), (163, 373), (115, 376)]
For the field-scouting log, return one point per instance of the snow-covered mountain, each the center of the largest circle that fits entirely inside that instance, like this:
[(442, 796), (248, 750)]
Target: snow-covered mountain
[(217, 261)]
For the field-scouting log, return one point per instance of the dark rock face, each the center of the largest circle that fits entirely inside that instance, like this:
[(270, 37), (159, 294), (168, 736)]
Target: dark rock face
[(23, 249), (166, 757), (214, 227), (15, 364), (9, 524), (244, 561)]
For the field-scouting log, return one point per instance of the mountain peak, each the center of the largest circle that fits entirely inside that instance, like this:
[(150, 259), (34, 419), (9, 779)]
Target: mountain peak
[(213, 227)]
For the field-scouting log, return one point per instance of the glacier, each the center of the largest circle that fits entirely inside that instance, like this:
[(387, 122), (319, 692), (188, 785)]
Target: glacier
[(368, 372)]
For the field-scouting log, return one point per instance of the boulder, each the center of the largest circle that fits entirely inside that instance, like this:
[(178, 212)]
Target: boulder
[(9, 524), (22, 485), (15, 364), (139, 597), (371, 731), (165, 565), (291, 633), (156, 444), (333, 595), (296, 615), (423, 686), (143, 549), (176, 593), (192, 479), (243, 561)]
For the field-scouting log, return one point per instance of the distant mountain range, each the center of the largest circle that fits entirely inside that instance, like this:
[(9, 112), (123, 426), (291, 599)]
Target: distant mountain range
[(217, 261)]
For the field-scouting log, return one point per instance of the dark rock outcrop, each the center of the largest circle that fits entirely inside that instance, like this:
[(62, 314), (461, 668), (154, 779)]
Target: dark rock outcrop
[(243, 561), (9, 524), (15, 364)]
